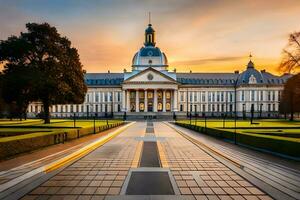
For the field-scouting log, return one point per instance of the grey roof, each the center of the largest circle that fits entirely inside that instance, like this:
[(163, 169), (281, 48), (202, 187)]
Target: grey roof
[(207, 78), (195, 78), (104, 78)]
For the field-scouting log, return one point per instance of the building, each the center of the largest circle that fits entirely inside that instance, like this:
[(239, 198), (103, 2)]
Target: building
[(151, 89)]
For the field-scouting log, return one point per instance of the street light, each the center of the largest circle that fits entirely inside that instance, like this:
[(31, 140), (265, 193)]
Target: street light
[(235, 106)]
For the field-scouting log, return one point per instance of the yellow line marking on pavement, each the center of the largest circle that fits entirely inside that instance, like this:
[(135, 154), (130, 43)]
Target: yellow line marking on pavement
[(85, 150), (162, 155), (137, 155), (206, 148)]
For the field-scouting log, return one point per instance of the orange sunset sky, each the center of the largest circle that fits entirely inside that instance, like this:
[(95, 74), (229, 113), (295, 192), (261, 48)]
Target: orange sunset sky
[(197, 35)]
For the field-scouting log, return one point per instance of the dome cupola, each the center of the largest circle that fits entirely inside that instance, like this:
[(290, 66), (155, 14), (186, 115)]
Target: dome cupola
[(149, 36)]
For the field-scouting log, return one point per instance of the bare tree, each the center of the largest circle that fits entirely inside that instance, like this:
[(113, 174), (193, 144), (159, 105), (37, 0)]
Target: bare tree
[(291, 54)]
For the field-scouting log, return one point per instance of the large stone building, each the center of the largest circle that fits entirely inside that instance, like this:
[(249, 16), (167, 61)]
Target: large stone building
[(151, 89)]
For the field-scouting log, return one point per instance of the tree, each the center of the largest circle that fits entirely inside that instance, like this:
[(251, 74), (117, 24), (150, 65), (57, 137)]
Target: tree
[(51, 68), (291, 54), (290, 99)]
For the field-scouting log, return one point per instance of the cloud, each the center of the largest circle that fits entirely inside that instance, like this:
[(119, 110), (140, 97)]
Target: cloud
[(208, 60)]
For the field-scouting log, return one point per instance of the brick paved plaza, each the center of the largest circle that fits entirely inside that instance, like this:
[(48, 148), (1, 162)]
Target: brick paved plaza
[(103, 172)]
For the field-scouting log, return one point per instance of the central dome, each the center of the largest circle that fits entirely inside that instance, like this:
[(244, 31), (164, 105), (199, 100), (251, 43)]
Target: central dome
[(149, 55)]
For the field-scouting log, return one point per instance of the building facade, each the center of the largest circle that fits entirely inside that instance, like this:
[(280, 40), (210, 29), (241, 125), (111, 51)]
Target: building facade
[(151, 89)]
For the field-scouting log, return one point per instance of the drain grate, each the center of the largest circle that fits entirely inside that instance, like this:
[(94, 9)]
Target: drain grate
[(149, 183), (150, 155)]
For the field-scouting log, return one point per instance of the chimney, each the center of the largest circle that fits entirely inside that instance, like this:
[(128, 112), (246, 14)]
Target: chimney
[(236, 72), (108, 71), (263, 71)]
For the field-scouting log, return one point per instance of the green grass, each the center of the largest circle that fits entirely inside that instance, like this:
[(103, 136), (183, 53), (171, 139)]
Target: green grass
[(34, 128), (280, 129)]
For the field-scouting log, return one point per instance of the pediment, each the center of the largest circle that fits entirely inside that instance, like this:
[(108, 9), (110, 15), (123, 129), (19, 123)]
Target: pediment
[(150, 75)]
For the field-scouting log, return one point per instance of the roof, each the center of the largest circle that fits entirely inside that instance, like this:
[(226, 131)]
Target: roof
[(207, 78), (104, 78), (192, 78)]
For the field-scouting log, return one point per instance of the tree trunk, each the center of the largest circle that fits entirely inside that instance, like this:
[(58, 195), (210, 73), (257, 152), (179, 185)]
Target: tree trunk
[(46, 112)]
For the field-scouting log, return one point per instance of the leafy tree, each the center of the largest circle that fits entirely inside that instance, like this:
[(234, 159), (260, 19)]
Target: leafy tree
[(291, 54), (51, 68), (290, 99)]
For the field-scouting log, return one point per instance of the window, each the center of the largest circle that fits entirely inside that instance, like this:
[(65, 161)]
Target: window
[(252, 95), (203, 108), (142, 106), (141, 95), (203, 97), (181, 107), (168, 106), (261, 95), (195, 96), (119, 96), (243, 96), (181, 96), (159, 95), (222, 96), (231, 97), (97, 97), (209, 96), (168, 95), (273, 95), (105, 97), (269, 96), (159, 106), (218, 96)]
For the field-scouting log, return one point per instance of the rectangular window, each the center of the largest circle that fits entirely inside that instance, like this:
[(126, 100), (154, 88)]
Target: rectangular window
[(243, 96), (209, 96), (97, 97), (195, 96), (181, 96), (252, 95), (261, 95), (203, 96), (269, 96)]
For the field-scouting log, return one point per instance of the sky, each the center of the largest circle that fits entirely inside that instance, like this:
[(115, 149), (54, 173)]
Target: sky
[(197, 35)]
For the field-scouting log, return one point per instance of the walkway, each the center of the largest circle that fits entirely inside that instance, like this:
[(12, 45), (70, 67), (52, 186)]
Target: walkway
[(153, 161)]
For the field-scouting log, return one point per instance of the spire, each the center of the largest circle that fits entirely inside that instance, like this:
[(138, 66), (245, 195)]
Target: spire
[(149, 34), (250, 63)]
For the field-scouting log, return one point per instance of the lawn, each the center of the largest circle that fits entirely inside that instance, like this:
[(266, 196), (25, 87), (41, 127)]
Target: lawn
[(31, 126), (279, 136), (270, 127)]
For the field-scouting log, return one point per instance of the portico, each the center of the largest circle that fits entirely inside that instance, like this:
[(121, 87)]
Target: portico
[(150, 99)]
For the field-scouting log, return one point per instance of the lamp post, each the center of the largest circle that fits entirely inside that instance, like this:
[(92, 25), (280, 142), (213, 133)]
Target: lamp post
[(94, 124), (235, 107), (74, 120)]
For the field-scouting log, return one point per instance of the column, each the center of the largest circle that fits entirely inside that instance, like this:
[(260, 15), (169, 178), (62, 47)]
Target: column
[(146, 101), (124, 100), (137, 103), (164, 100), (175, 108), (155, 101), (127, 101)]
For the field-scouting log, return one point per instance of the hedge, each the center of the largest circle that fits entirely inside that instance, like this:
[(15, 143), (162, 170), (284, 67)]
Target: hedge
[(10, 146), (275, 144)]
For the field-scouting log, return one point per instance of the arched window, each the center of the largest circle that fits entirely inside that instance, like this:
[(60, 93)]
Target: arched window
[(159, 106), (168, 107)]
